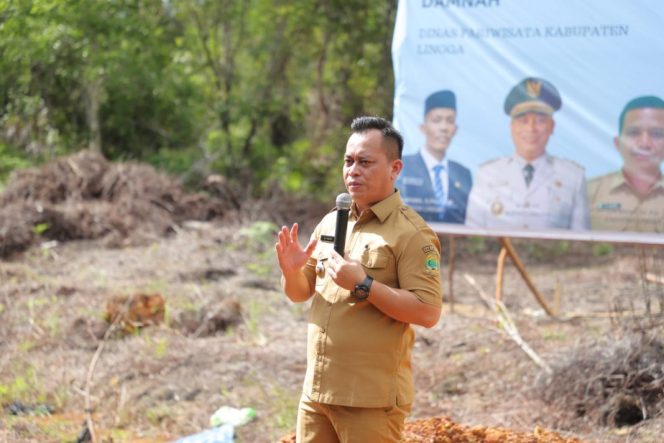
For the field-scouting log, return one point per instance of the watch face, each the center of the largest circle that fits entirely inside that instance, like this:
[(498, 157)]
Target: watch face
[(361, 292)]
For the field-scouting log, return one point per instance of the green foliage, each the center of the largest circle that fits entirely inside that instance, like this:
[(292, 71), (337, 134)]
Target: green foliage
[(157, 414), (10, 160), (40, 228), (548, 249), (300, 172), (260, 91), (24, 386), (284, 404), (260, 237), (554, 335), (160, 347), (602, 249), (476, 245), (174, 161), (260, 233), (255, 311)]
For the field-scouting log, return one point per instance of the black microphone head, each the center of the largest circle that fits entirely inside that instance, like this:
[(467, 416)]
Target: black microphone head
[(344, 200)]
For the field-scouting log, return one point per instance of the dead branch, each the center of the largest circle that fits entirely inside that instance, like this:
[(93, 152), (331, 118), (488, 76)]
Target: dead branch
[(506, 322), (89, 421)]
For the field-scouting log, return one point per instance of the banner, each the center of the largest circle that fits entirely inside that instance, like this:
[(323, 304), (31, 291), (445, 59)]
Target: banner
[(533, 119)]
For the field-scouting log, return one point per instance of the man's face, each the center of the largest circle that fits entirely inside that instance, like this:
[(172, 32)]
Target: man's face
[(439, 127), (530, 133), (369, 173), (641, 143)]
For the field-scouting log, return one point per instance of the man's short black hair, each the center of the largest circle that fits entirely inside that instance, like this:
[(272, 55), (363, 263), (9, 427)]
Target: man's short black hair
[(364, 123), (647, 101)]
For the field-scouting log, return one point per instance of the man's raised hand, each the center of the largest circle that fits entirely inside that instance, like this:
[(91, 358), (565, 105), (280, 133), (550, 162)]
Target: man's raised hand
[(290, 254)]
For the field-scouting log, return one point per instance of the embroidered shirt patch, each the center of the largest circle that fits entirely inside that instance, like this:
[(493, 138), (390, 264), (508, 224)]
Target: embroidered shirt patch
[(432, 263)]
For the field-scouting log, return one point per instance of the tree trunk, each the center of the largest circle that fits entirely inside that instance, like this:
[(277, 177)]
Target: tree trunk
[(92, 104)]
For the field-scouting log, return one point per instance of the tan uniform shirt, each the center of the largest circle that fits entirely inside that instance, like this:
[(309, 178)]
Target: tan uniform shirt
[(356, 355), (614, 207)]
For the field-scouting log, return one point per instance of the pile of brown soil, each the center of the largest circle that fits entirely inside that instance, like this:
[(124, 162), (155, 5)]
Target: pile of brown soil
[(444, 430), (83, 196)]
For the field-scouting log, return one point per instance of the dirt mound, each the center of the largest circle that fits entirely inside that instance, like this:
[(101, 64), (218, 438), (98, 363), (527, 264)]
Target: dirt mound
[(614, 384), (84, 196), (444, 430)]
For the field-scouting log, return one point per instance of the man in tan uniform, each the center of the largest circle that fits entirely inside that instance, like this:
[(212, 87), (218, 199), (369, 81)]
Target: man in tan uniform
[(632, 199), (358, 386)]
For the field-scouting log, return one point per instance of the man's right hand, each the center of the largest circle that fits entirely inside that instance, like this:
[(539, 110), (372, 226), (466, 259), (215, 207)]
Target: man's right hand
[(290, 254), (292, 259)]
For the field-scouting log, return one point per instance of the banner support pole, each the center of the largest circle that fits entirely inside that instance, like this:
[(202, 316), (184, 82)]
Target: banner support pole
[(508, 250)]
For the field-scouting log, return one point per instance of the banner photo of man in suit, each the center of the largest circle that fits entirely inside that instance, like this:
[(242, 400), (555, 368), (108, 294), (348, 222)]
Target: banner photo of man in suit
[(430, 182)]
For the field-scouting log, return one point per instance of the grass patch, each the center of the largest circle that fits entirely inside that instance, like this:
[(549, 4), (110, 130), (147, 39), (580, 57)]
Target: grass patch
[(284, 406), (554, 335), (25, 387), (602, 249), (255, 312)]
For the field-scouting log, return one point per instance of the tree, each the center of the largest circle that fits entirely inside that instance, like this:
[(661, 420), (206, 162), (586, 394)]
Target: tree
[(261, 91)]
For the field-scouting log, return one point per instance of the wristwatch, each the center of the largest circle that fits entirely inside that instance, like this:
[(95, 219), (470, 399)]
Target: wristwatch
[(361, 291)]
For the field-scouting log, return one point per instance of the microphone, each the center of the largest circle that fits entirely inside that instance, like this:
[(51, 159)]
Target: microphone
[(343, 205)]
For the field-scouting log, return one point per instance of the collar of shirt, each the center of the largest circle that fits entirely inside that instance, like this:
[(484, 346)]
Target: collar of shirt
[(381, 210), (617, 182), (430, 161), (537, 163)]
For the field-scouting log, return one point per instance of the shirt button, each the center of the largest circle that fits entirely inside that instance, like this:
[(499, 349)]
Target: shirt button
[(322, 330)]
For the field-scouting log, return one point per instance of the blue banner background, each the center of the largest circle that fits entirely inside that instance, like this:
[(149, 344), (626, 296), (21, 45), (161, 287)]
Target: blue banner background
[(598, 54)]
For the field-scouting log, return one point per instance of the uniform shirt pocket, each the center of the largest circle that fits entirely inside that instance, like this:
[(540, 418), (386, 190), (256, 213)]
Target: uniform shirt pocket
[(380, 266), (560, 206), (374, 259)]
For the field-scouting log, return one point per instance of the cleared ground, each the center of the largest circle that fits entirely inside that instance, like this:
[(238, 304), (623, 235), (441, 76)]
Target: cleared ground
[(230, 337)]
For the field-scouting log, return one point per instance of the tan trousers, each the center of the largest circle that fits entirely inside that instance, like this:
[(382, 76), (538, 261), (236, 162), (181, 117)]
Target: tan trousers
[(322, 423)]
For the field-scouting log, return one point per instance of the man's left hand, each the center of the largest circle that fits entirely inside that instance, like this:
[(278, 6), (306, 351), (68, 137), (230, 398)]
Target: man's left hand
[(346, 273)]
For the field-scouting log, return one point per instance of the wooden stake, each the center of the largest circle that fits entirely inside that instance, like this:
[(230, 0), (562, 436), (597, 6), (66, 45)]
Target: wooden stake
[(507, 244), (500, 273)]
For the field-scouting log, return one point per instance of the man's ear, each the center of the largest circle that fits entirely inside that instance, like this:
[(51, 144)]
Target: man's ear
[(397, 166)]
